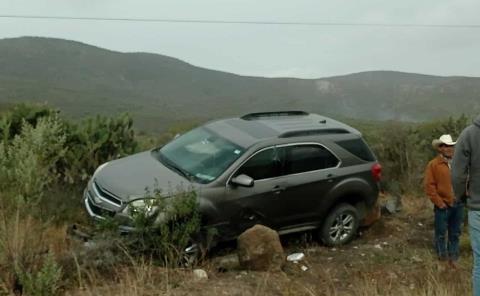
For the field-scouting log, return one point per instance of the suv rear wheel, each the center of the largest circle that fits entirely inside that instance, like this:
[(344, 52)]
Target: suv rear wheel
[(340, 225)]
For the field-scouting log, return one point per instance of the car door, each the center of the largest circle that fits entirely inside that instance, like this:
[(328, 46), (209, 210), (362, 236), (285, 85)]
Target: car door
[(258, 204), (311, 172)]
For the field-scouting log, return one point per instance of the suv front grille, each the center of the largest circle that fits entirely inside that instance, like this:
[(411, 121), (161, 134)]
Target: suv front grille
[(99, 211), (107, 196)]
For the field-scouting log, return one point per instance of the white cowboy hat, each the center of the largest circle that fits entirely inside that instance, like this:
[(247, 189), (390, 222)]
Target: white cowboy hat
[(444, 139)]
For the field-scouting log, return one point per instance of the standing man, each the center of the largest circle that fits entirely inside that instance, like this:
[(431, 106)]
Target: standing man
[(466, 184), (448, 210)]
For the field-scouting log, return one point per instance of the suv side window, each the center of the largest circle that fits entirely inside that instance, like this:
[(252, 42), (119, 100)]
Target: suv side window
[(358, 148), (263, 165), (305, 158)]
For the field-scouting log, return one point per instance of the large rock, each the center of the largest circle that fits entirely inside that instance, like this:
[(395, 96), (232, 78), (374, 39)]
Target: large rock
[(259, 248)]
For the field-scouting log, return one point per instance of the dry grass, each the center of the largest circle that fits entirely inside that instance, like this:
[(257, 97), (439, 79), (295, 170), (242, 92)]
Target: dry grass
[(25, 245), (393, 257)]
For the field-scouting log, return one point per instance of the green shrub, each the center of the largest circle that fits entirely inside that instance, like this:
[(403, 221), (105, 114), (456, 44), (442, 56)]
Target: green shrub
[(44, 155), (28, 162), (79, 148), (404, 149), (163, 227), (12, 121), (45, 281), (93, 142)]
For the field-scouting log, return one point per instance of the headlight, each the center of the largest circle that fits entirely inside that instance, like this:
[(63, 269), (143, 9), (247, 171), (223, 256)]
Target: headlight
[(100, 168), (141, 206)]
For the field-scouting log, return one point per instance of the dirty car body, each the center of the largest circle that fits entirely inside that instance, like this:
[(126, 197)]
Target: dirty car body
[(290, 170)]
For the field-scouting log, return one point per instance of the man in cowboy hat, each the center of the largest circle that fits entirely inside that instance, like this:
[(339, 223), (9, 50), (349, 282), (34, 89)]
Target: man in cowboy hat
[(448, 210), (466, 183)]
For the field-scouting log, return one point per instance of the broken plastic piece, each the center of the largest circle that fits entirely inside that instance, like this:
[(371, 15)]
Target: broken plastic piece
[(295, 257)]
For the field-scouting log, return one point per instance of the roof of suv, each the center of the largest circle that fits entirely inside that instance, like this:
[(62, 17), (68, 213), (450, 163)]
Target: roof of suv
[(255, 127)]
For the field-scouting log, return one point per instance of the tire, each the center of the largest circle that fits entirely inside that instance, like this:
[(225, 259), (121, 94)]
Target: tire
[(340, 225)]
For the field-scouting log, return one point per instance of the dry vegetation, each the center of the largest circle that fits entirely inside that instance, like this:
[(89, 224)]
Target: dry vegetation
[(37, 257), (392, 257)]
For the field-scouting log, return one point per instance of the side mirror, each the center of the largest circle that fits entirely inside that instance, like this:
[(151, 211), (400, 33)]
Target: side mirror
[(242, 180)]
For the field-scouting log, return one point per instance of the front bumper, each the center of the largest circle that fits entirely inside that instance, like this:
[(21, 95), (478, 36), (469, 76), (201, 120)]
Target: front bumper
[(100, 209)]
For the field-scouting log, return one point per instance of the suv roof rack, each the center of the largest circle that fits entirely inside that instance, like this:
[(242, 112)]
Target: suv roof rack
[(253, 116), (292, 134)]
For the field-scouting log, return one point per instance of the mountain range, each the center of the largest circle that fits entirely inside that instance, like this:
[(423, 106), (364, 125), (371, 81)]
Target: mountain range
[(158, 91)]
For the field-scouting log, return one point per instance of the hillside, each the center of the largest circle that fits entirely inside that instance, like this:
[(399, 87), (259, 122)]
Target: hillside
[(157, 90)]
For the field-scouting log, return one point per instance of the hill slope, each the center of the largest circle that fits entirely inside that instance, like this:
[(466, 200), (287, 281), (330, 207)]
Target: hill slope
[(82, 79)]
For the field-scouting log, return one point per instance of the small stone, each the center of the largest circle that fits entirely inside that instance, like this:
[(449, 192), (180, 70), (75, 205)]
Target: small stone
[(378, 247), (416, 259), (200, 274), (304, 268), (392, 275)]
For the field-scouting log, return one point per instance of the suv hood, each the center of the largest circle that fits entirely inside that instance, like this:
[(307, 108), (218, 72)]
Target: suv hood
[(128, 178)]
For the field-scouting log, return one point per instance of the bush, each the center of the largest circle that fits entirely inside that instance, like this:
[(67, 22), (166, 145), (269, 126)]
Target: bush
[(404, 149), (93, 142), (28, 162), (45, 281), (163, 227), (70, 151), (42, 155), (12, 121)]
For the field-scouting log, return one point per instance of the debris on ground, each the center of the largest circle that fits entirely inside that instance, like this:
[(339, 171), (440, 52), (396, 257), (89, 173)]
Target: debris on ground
[(295, 257), (200, 274)]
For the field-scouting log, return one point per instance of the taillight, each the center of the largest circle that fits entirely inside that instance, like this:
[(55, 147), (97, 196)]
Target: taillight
[(377, 172)]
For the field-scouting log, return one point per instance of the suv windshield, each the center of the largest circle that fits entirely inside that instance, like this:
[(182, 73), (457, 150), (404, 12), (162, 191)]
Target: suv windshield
[(199, 154)]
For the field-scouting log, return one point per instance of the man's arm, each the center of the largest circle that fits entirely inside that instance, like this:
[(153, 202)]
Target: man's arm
[(430, 187), (460, 166)]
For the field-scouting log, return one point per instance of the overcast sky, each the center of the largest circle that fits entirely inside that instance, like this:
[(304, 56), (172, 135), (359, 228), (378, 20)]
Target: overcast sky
[(271, 50)]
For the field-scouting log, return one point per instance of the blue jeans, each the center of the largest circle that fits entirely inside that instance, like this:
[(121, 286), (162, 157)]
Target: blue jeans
[(448, 221), (474, 229)]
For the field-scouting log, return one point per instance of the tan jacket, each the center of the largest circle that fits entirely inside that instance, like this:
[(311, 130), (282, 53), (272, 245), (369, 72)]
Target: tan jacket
[(437, 182)]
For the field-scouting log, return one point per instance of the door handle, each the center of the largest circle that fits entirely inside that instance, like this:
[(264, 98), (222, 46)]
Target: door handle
[(278, 189), (330, 177)]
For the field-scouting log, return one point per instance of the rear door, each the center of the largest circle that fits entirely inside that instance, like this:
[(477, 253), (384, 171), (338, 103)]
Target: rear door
[(311, 170)]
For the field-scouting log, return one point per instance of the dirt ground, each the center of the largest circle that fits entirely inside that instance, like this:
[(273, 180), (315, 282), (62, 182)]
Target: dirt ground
[(392, 257)]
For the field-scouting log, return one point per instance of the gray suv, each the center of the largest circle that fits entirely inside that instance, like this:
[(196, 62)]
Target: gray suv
[(289, 170)]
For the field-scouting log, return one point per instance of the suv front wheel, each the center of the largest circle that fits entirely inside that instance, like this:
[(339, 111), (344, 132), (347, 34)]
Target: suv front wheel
[(340, 225)]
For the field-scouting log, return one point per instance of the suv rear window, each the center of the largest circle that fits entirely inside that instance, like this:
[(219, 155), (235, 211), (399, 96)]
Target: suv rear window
[(358, 148)]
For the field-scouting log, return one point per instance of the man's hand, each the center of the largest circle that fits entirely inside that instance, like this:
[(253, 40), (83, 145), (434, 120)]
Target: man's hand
[(442, 206)]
